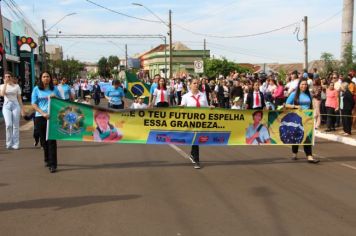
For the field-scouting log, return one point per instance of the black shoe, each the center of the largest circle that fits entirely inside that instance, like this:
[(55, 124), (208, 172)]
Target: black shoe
[(36, 143), (52, 169), (328, 130)]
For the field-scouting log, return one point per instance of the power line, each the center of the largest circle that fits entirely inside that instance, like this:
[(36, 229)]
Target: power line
[(123, 14), (196, 33), (329, 18), (237, 36)]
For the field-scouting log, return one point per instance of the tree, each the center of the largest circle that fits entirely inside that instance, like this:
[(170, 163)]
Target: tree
[(347, 63), (215, 67), (69, 68), (329, 64), (103, 67), (113, 61)]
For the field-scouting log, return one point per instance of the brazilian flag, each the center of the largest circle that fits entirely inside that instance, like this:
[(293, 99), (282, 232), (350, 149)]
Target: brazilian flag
[(136, 87)]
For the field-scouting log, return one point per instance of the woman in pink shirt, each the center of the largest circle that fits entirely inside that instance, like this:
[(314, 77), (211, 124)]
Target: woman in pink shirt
[(332, 105), (278, 94)]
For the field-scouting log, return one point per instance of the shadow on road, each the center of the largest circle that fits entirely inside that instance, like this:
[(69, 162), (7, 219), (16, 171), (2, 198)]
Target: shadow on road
[(2, 185), (144, 164), (65, 202)]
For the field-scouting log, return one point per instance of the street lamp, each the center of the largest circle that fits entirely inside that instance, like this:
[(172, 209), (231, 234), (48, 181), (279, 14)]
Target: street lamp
[(45, 38), (169, 25)]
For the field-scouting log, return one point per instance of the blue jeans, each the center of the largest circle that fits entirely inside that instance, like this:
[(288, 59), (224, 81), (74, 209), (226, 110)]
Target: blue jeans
[(11, 111)]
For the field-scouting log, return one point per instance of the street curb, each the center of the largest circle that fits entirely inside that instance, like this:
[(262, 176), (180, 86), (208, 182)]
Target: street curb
[(336, 138)]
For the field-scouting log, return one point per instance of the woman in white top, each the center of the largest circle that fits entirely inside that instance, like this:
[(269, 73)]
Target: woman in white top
[(194, 98), (161, 94), (11, 110)]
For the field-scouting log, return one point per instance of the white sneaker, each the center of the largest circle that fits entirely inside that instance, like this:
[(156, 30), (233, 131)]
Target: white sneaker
[(196, 166), (192, 159)]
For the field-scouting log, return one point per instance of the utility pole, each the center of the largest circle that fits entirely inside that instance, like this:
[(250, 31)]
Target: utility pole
[(347, 26), (204, 48), (44, 38), (126, 57), (305, 42), (2, 41), (165, 57), (170, 45)]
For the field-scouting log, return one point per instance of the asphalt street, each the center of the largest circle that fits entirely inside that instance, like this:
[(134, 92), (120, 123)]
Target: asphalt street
[(118, 189)]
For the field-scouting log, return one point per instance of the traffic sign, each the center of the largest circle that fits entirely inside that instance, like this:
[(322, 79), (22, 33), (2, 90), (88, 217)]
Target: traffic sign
[(199, 66)]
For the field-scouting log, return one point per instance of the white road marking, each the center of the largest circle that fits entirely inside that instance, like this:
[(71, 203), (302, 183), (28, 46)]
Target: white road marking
[(27, 126), (348, 166), (180, 151)]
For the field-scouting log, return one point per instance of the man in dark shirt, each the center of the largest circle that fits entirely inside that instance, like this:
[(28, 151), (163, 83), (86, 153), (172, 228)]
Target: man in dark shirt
[(237, 90)]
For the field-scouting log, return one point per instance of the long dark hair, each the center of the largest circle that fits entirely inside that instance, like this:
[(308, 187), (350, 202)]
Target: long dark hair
[(40, 83), (164, 85), (307, 92)]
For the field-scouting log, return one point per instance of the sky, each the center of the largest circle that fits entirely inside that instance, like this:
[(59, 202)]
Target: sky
[(192, 22)]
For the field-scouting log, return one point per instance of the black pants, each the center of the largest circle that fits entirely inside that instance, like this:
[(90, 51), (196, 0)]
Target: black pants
[(121, 106), (162, 104), (330, 120), (195, 153), (179, 96), (36, 133), (279, 101), (172, 99), (49, 146), (307, 149), (346, 120), (96, 101), (323, 111)]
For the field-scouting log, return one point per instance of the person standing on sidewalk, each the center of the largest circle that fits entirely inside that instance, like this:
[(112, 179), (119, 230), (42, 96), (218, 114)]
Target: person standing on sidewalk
[(316, 94), (301, 99), (194, 98), (11, 110), (332, 105), (346, 106), (41, 95)]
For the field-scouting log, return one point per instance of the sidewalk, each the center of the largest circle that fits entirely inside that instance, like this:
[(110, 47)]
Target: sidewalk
[(336, 136)]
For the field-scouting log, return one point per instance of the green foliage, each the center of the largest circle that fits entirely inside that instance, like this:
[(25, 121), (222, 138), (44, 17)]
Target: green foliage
[(329, 64), (348, 60), (108, 66), (69, 68), (103, 67), (282, 75), (215, 67)]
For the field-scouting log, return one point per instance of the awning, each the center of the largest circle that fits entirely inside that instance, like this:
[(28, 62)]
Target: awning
[(12, 58)]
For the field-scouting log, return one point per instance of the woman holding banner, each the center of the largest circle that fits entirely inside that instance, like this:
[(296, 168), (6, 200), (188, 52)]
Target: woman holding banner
[(40, 98), (161, 94), (301, 99), (194, 98)]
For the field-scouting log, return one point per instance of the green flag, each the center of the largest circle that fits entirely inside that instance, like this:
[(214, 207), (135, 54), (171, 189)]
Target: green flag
[(136, 87)]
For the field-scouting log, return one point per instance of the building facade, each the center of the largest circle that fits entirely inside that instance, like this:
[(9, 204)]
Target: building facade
[(156, 60)]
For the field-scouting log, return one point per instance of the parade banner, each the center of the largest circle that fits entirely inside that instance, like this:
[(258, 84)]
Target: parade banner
[(179, 125)]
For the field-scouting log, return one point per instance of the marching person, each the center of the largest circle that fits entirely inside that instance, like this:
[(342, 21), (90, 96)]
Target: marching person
[(301, 99), (161, 94), (255, 99), (194, 98), (11, 110), (140, 103), (115, 95), (65, 90), (41, 95), (96, 93)]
